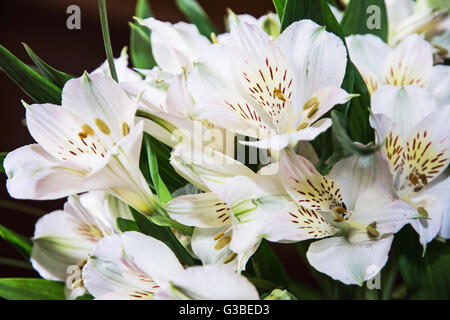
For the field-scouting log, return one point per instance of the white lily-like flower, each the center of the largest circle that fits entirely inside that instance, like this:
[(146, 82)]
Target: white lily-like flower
[(65, 238), (88, 143), (274, 90), (212, 217), (135, 266), (416, 139), (354, 209), (407, 16), (269, 23), (124, 73), (409, 63)]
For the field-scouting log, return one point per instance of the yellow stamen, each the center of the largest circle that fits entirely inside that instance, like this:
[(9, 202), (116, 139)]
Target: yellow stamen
[(279, 94), (88, 130), (302, 125), (372, 230), (125, 129), (310, 103), (222, 242), (422, 211), (229, 258), (102, 126), (218, 236), (313, 110)]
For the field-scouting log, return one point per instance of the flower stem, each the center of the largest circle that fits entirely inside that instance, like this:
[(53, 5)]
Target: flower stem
[(107, 39)]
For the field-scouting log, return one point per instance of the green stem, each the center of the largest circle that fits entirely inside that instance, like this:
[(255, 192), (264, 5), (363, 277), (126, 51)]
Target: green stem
[(389, 280), (262, 284), (21, 208), (107, 39)]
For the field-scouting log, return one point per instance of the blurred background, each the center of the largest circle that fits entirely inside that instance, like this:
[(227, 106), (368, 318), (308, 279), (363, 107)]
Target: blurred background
[(42, 25)]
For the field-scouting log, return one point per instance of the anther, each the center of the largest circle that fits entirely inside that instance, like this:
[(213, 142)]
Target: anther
[(311, 102), (222, 242), (372, 230), (102, 126), (279, 94)]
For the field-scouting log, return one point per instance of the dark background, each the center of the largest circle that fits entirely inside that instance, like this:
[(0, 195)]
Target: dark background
[(42, 25)]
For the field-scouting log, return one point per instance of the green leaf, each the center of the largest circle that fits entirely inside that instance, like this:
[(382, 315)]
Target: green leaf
[(56, 77), (278, 294), (316, 10), (267, 265), (140, 43), (356, 18), (143, 9), (167, 173), (163, 193), (279, 7), (2, 158), (347, 144), (165, 235), (21, 243), (86, 296), (31, 289), (425, 277), (107, 39), (195, 13), (126, 225), (34, 85)]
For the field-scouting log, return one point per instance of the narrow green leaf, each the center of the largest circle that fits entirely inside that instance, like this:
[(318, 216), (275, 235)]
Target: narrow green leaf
[(126, 225), (143, 9), (56, 77), (140, 43), (21, 207), (106, 38), (21, 243), (316, 10), (34, 85), (165, 235), (163, 193), (361, 17), (425, 277), (279, 7), (2, 158), (195, 13), (16, 263), (31, 289)]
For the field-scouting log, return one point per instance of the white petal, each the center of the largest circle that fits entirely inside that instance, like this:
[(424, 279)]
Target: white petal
[(368, 53), (440, 82), (124, 73), (350, 263), (428, 228), (151, 255), (34, 174), (203, 210), (214, 282), (175, 46), (59, 242), (403, 105), (317, 58), (410, 63)]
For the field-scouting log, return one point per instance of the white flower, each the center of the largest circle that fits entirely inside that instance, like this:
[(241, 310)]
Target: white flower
[(124, 74), (65, 238), (409, 63), (408, 16), (274, 90), (414, 132), (136, 266), (88, 143), (355, 209)]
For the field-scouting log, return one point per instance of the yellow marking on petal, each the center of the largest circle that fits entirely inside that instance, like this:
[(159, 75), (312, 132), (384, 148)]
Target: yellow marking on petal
[(214, 38), (279, 94), (102, 126), (372, 230), (218, 236), (311, 102), (222, 242), (125, 129), (229, 258)]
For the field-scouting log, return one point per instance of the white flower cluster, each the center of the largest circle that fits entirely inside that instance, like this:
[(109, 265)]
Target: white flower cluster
[(275, 87)]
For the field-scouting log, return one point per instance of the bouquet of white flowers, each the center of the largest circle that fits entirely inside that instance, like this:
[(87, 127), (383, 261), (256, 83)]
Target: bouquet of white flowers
[(323, 126)]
